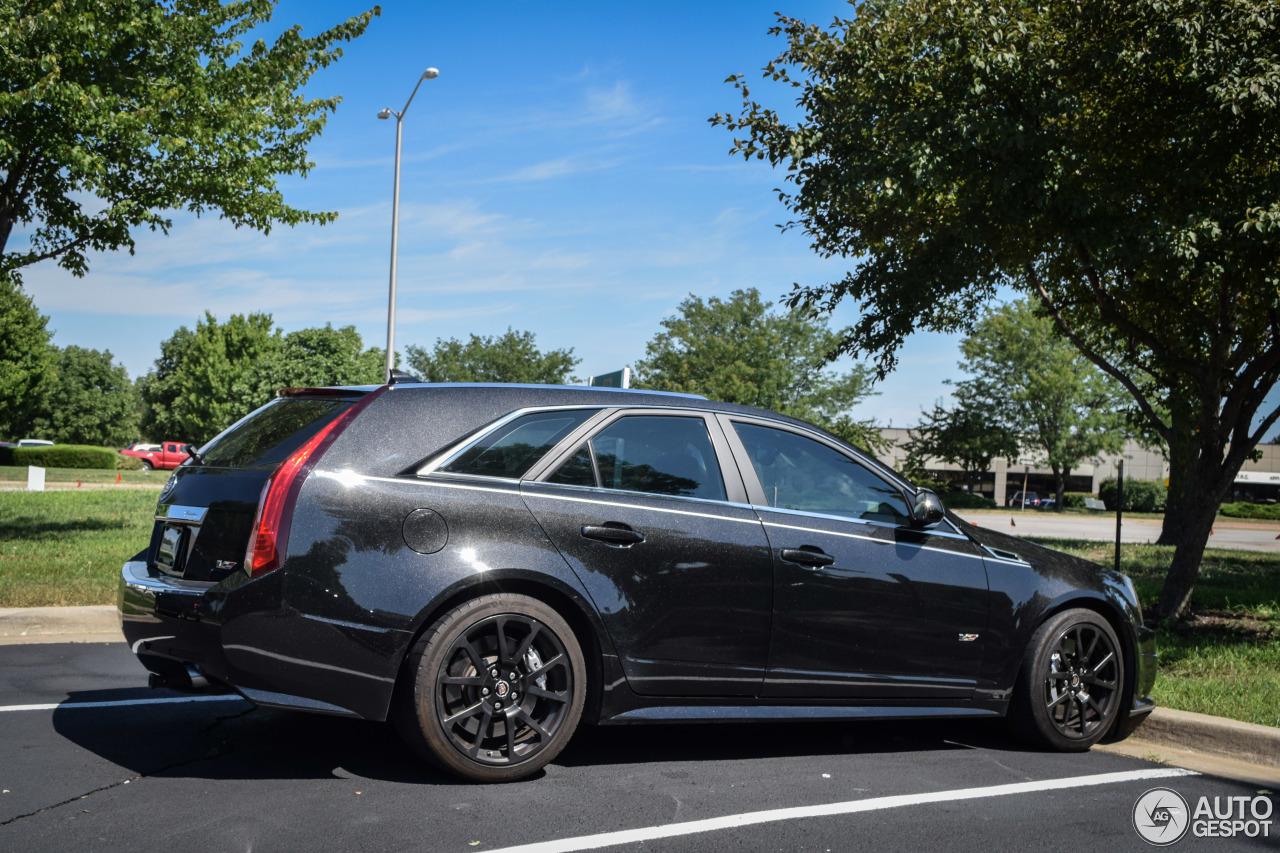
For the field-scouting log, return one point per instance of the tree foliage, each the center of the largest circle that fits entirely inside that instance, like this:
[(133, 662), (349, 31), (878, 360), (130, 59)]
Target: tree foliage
[(26, 359), (739, 351), (91, 401), (114, 113), (510, 357), (1039, 387), (967, 435), (206, 380), (1117, 160)]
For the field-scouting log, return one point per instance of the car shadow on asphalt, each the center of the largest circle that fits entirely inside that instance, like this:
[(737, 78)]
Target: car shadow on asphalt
[(232, 739)]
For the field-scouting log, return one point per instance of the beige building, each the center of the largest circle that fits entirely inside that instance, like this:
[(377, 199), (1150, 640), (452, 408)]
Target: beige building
[(1258, 481)]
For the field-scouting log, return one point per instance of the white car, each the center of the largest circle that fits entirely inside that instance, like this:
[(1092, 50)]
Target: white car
[(34, 442)]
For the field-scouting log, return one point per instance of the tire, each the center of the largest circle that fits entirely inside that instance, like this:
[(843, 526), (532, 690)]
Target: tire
[(1071, 683), (461, 709), (147, 466)]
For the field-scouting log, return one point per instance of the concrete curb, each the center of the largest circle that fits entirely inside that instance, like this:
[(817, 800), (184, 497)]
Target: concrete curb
[(1212, 736), (98, 624)]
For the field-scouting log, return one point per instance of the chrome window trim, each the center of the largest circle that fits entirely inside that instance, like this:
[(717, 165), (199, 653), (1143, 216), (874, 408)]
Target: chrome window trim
[(873, 539), (459, 447), (865, 521), (624, 505)]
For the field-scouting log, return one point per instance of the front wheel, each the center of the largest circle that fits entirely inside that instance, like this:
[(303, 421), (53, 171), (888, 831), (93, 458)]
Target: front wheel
[(1069, 689), (495, 689)]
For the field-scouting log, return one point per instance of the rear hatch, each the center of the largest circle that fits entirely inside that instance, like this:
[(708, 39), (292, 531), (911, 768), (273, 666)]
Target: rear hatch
[(205, 516)]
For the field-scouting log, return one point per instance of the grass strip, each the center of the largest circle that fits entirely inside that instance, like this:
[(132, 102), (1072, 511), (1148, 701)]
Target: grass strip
[(66, 548)]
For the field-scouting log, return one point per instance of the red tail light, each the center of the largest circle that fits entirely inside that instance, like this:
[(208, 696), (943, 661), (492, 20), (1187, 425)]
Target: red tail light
[(270, 531)]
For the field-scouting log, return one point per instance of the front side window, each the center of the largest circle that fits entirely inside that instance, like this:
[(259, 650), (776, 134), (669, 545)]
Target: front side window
[(512, 449), (803, 474), (655, 454)]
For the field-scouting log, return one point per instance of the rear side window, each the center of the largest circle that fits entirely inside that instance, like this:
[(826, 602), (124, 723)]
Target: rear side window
[(512, 449), (658, 455), (269, 435)]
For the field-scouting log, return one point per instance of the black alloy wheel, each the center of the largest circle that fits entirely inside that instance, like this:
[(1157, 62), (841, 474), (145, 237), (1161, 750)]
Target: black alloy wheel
[(1069, 691), (498, 687)]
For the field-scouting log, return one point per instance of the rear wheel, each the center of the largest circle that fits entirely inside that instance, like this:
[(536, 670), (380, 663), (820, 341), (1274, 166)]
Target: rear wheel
[(1069, 690), (495, 688), (147, 466)]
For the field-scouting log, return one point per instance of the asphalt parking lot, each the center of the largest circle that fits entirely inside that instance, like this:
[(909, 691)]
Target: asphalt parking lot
[(92, 759), (1245, 535)]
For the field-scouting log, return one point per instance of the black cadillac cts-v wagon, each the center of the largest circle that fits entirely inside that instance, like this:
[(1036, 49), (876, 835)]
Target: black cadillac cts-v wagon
[(489, 565)]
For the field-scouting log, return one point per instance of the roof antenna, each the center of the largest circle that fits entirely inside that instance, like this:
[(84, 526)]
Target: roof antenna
[(399, 377)]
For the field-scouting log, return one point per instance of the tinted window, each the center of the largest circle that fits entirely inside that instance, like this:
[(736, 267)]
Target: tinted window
[(576, 471), (803, 474), (269, 435), (661, 455), (511, 450)]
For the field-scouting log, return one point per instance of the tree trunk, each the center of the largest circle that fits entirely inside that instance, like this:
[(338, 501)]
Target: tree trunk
[(1060, 488), (1195, 517), (1184, 458)]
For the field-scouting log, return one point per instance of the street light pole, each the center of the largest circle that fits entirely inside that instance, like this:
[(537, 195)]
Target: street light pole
[(429, 74)]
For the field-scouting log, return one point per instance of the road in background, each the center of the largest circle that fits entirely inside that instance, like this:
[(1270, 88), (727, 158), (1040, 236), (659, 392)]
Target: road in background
[(1250, 537)]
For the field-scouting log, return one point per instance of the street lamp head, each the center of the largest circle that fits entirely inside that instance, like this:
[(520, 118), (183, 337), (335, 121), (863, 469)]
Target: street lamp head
[(386, 113), (431, 73)]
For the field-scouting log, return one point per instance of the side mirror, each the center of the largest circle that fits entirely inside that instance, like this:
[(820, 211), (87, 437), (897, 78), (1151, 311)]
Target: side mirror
[(927, 511)]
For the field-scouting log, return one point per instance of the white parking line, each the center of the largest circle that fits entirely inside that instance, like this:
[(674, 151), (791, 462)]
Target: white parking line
[(55, 706), (632, 836)]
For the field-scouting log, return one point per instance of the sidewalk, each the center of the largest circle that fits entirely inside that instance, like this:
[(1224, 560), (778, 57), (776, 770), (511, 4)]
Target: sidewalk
[(1213, 745)]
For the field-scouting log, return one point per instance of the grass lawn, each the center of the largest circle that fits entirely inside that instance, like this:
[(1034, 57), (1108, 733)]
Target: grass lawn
[(15, 475), (1225, 659), (66, 548)]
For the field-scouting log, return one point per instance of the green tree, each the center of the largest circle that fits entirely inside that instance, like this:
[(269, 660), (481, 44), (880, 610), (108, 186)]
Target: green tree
[(1117, 160), (92, 400), (26, 359), (511, 357), (315, 358), (160, 389), (966, 435), (114, 113), (214, 381), (1040, 388), (738, 351)]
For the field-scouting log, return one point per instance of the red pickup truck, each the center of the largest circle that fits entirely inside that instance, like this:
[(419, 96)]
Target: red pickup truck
[(164, 456)]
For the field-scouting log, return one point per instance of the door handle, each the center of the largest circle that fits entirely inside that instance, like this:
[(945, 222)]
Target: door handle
[(613, 535), (805, 557)]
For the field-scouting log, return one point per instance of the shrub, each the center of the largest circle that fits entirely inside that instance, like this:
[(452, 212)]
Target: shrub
[(128, 463), (60, 456), (966, 500), (1139, 495), (1075, 500), (1241, 509)]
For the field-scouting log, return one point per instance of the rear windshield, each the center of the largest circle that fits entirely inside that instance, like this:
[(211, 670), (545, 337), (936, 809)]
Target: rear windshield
[(269, 435)]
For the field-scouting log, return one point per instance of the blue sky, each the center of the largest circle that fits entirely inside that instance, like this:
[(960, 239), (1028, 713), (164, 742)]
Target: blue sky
[(559, 177)]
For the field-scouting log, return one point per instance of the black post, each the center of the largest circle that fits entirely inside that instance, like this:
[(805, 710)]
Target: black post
[(1119, 507)]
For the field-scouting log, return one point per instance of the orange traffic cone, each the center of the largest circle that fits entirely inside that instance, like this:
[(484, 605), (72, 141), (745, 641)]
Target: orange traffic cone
[(77, 484), (1012, 523), (118, 476)]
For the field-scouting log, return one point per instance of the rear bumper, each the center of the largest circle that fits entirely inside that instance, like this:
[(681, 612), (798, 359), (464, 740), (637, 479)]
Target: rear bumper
[(239, 634), (162, 619)]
